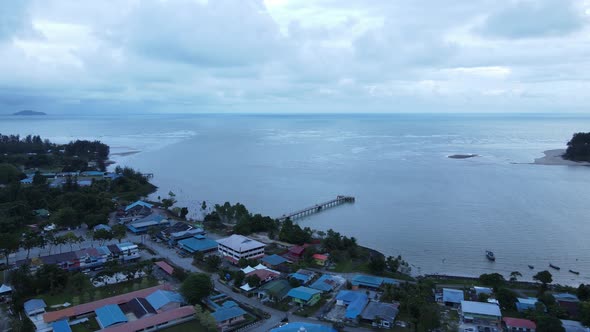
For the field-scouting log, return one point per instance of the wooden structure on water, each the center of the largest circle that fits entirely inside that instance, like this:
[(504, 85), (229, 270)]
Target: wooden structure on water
[(317, 208)]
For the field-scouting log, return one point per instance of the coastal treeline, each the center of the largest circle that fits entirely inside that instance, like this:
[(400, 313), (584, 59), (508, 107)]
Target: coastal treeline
[(35, 152), (578, 148)]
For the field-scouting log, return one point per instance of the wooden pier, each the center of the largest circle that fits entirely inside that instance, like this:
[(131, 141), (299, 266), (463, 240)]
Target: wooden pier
[(317, 208)]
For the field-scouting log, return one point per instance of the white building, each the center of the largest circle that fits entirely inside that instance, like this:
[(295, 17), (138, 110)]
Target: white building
[(239, 246)]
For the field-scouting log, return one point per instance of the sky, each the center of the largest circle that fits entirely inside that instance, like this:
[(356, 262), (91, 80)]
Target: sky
[(303, 56)]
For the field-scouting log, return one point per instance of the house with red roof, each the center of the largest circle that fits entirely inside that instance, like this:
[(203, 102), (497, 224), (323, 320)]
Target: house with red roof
[(320, 259), (519, 324)]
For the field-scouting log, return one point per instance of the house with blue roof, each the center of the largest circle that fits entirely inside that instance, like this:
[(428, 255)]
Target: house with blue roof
[(110, 315), (163, 300), (274, 261), (354, 301), (226, 316), (304, 295), (304, 276), (61, 326), (139, 208), (34, 307), (102, 227), (197, 243), (452, 297), (325, 283), (524, 304), (144, 224), (308, 327), (364, 281)]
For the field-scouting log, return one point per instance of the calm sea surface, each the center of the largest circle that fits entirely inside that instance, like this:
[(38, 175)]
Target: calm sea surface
[(441, 214)]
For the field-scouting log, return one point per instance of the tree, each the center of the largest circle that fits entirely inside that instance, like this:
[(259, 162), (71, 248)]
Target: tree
[(8, 244), (183, 212), (584, 313), (213, 262), (239, 277), (583, 292), (205, 319), (546, 323), (168, 202), (514, 275), (506, 298), (543, 277), (65, 217), (196, 287), (377, 264), (71, 239), (492, 279), (102, 235), (119, 232), (39, 180), (32, 240), (253, 280)]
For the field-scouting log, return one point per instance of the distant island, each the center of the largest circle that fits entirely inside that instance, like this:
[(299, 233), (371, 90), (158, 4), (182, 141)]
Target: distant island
[(29, 112), (576, 154)]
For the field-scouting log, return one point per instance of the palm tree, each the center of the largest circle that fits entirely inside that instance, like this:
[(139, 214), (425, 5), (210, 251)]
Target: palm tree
[(514, 275)]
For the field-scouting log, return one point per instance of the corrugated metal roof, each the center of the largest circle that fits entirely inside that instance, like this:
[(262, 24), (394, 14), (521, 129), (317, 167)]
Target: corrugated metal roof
[(308, 327), (273, 260), (140, 324), (481, 308), (34, 304), (165, 266), (109, 315), (138, 203), (194, 244), (240, 243), (453, 295), (223, 314), (303, 293), (325, 283), (368, 281), (355, 302), (61, 326), (160, 298)]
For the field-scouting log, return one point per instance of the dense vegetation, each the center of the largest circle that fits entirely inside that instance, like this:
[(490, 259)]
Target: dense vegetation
[(34, 152), (578, 148)]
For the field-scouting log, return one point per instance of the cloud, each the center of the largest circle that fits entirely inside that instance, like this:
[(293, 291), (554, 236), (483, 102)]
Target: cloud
[(534, 19)]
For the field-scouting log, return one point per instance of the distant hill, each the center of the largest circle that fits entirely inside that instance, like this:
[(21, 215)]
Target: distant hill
[(29, 112)]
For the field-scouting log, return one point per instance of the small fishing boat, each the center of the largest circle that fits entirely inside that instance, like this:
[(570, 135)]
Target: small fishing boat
[(574, 272), (554, 266), (531, 267), (490, 255)]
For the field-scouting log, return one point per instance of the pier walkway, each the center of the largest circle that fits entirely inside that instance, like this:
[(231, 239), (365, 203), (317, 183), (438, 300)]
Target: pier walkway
[(317, 208)]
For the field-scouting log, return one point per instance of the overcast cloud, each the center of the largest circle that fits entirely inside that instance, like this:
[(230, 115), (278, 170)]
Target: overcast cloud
[(295, 55)]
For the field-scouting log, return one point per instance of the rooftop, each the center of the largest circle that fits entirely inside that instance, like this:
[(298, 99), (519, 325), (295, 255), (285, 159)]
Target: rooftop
[(375, 310), (138, 203), (453, 295), (369, 281), (276, 288), (109, 315), (487, 309), (223, 313), (165, 266), (34, 304), (303, 293), (566, 297), (154, 320), (91, 306), (308, 327), (273, 260), (160, 298), (240, 243), (194, 244), (325, 283), (355, 302), (519, 323), (61, 326)]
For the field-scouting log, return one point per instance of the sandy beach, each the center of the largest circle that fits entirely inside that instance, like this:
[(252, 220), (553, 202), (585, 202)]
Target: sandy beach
[(553, 157)]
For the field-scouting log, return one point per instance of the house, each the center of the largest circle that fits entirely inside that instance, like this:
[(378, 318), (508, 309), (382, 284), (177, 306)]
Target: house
[(325, 283), (370, 282), (142, 225), (198, 243), (42, 213), (34, 307), (274, 291), (482, 290), (61, 326), (354, 301), (226, 316), (237, 247), (138, 308), (480, 313), (524, 304), (295, 253), (304, 276), (320, 259), (307, 327), (102, 227), (452, 297), (519, 325), (124, 251), (165, 267), (5, 290), (262, 272), (175, 227), (274, 261), (174, 237), (569, 302), (304, 296), (156, 322), (573, 326), (163, 300), (379, 313), (140, 208), (110, 315)]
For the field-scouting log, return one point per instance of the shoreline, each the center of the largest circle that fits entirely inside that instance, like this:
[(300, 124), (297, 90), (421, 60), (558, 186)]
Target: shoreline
[(554, 158), (125, 153)]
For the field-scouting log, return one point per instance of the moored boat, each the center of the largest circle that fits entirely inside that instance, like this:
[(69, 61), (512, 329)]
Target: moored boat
[(554, 266), (574, 272), (531, 267), (490, 255)]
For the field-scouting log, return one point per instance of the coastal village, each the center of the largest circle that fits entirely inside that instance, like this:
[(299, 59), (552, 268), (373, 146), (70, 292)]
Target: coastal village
[(145, 266)]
